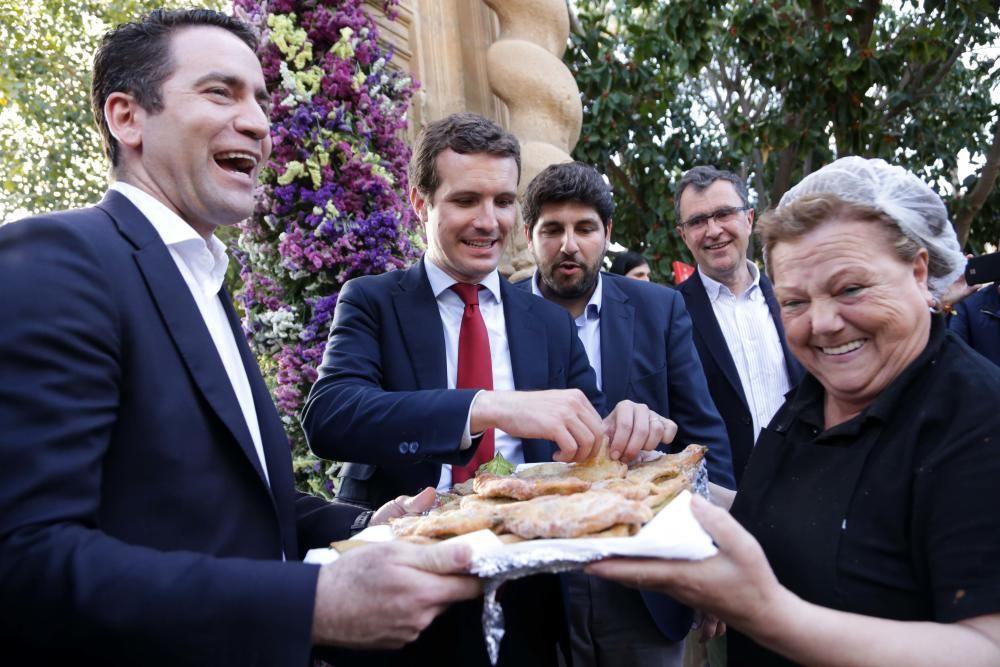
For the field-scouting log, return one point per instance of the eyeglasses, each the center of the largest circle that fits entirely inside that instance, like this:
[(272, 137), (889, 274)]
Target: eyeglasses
[(720, 215)]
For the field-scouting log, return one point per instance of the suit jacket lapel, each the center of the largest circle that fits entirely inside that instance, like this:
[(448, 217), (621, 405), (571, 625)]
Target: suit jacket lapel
[(421, 328), (706, 326), (182, 319), (795, 370), (274, 439), (528, 359), (617, 340)]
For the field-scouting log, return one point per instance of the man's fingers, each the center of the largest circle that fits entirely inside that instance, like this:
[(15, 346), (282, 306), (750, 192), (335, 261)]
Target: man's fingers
[(623, 417), (567, 446), (453, 588), (447, 559), (709, 627), (584, 437), (438, 558), (419, 503), (669, 430), (595, 428)]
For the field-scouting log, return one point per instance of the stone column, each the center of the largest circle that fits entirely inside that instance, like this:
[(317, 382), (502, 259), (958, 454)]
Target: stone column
[(526, 71)]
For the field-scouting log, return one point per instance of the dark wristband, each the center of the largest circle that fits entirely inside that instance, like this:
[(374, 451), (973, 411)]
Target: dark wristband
[(361, 522)]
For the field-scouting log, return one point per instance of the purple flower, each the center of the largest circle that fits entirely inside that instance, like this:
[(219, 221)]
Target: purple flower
[(306, 238)]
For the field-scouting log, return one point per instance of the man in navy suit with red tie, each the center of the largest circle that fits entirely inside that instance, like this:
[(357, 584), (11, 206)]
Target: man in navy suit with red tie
[(394, 399)]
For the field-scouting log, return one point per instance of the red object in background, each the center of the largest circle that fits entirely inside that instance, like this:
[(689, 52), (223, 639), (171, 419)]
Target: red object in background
[(682, 271)]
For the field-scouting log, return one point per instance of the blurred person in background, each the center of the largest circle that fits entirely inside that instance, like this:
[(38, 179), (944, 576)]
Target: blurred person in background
[(976, 319), (630, 264)]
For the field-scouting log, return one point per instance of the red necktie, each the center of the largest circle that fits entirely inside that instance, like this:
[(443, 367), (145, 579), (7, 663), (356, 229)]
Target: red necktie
[(475, 371)]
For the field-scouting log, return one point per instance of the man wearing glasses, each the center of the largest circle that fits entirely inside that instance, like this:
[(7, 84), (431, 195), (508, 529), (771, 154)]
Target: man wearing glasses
[(737, 326)]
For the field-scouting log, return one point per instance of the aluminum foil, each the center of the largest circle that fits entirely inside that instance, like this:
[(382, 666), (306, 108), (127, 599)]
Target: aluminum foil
[(552, 556)]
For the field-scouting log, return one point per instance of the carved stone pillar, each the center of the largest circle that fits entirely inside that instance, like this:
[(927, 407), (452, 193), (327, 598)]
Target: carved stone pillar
[(526, 71), (505, 64), (443, 44)]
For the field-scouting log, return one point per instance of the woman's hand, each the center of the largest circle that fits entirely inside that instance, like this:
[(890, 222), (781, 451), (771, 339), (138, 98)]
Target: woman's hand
[(736, 585)]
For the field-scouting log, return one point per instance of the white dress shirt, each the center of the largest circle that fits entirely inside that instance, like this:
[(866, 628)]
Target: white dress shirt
[(754, 345), (451, 307), (203, 266), (588, 324)]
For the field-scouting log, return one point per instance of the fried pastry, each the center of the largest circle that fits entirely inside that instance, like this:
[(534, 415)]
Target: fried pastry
[(598, 498), (627, 488), (445, 524), (572, 516), (666, 491), (489, 485), (599, 466), (667, 466), (621, 530)]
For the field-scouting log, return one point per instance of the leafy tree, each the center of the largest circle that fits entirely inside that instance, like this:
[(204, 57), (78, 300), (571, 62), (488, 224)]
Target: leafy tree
[(775, 89), (52, 157)]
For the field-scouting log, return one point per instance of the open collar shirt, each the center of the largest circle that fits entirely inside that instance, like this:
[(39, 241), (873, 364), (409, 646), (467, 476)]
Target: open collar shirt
[(588, 324), (754, 345), (202, 263)]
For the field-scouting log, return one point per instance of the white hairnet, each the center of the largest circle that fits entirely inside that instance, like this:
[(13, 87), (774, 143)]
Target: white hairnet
[(911, 203)]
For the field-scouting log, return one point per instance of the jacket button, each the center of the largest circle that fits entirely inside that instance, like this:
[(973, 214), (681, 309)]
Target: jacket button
[(404, 448), (414, 447)]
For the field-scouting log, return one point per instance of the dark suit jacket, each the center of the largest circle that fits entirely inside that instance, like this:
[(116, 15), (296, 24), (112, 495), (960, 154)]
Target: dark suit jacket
[(720, 369), (381, 401), (382, 404), (977, 322), (137, 527), (647, 356)]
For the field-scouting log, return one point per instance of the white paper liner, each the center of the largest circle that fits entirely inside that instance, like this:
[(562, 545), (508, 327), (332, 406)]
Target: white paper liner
[(672, 533)]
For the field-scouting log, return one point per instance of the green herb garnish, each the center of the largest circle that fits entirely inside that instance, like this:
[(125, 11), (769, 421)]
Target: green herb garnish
[(498, 466)]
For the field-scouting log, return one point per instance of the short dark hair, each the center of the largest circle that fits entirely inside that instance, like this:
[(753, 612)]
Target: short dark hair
[(567, 182), (626, 261), (463, 133), (135, 58), (701, 177)]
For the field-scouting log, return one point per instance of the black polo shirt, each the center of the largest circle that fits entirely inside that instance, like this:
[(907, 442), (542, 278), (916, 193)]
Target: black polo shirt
[(892, 513)]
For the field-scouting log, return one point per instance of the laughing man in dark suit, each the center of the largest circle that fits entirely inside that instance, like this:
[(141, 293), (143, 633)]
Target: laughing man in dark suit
[(147, 509)]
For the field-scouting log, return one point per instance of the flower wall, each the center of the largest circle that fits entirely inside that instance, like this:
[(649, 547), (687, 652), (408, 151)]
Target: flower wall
[(332, 201)]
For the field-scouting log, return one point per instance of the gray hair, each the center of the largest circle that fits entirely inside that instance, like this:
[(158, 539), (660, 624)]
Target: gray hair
[(701, 178)]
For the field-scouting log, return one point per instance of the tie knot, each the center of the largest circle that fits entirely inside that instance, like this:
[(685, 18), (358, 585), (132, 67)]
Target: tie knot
[(468, 292)]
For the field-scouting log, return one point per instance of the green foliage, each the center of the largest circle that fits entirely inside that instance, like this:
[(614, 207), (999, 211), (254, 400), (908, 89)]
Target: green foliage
[(775, 89), (52, 157)]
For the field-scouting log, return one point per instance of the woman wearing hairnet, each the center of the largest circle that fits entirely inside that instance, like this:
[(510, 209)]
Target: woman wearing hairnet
[(865, 530)]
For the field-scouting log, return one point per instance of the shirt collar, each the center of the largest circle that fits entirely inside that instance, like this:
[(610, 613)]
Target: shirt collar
[(593, 309), (807, 400), (714, 288), (179, 235), (440, 281)]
